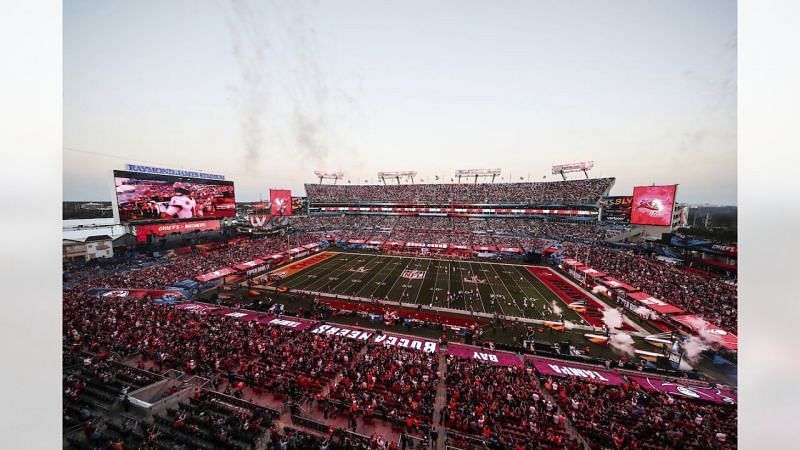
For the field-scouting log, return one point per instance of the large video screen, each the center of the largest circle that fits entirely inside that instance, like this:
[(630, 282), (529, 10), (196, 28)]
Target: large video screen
[(281, 200), (616, 209), (652, 205), (148, 197)]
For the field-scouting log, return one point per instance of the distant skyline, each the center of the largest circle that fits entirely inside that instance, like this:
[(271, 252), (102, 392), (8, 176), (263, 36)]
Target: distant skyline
[(267, 92)]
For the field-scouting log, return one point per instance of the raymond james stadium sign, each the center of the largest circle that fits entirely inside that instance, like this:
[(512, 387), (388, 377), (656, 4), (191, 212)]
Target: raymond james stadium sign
[(174, 172)]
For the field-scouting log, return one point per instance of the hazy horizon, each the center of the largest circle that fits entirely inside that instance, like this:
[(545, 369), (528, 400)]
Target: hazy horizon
[(267, 92)]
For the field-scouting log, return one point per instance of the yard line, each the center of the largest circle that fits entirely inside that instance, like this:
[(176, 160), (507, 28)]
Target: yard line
[(464, 289), (377, 262), (373, 277), (326, 270), (421, 282), (334, 289), (437, 291), (392, 271), (511, 296), (478, 286), (396, 280), (544, 297), (324, 287), (521, 289), (296, 280)]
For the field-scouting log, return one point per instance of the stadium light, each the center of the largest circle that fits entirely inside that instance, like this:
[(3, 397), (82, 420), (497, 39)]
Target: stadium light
[(563, 169), (494, 173), (397, 174), (323, 175)]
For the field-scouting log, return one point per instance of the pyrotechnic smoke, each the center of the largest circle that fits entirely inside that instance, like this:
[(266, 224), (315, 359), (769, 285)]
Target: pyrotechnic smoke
[(599, 289), (622, 342), (281, 82), (692, 347), (250, 93), (645, 312), (612, 318), (684, 365), (555, 308)]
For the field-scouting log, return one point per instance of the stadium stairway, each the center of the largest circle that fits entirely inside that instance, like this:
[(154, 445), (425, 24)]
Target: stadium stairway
[(569, 428), (441, 397)]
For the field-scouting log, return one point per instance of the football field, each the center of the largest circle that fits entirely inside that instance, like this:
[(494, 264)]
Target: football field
[(481, 287)]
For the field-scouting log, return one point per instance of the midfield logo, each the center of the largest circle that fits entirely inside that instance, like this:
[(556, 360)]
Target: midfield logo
[(413, 274)]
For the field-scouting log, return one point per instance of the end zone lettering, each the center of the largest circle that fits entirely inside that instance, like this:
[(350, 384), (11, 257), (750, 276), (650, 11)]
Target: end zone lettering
[(563, 370), (485, 357), (426, 346), (284, 323)]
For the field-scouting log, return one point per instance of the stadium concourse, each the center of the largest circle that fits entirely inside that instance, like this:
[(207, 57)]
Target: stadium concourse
[(352, 338)]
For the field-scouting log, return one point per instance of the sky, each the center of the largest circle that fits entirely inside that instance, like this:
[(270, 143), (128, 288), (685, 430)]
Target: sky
[(267, 92)]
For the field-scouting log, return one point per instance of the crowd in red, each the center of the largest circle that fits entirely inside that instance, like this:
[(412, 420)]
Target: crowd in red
[(709, 297), (556, 192), (503, 405), (518, 233), (629, 417), (163, 273), (393, 383)]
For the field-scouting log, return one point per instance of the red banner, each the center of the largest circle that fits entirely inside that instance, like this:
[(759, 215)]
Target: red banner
[(613, 283), (567, 369), (164, 229), (214, 275), (281, 201), (483, 355), (652, 205), (657, 305)]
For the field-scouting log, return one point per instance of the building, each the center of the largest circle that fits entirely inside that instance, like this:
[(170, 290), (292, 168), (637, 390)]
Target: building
[(93, 247)]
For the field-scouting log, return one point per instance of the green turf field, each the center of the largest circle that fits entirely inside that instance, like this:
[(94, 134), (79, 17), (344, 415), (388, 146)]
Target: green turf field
[(508, 289)]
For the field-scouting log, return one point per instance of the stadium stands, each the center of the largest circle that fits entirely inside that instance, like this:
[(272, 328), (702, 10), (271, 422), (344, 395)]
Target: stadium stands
[(501, 405), (551, 193), (706, 296), (628, 417)]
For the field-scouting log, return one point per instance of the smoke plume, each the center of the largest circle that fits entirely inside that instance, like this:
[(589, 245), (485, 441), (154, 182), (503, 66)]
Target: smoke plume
[(599, 289), (622, 342), (645, 312), (693, 346), (612, 318), (250, 94)]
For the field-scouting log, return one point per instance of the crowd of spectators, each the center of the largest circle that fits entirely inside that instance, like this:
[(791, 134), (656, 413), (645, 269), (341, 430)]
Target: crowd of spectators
[(705, 296), (392, 383), (629, 417), (501, 405), (161, 272), (449, 230), (276, 359), (217, 419), (586, 191)]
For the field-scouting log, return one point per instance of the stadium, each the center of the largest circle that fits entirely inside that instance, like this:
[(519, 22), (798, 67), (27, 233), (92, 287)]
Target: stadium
[(475, 313)]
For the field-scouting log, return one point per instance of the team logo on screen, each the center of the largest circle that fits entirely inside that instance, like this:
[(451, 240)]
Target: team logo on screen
[(413, 274), (653, 206), (280, 205)]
